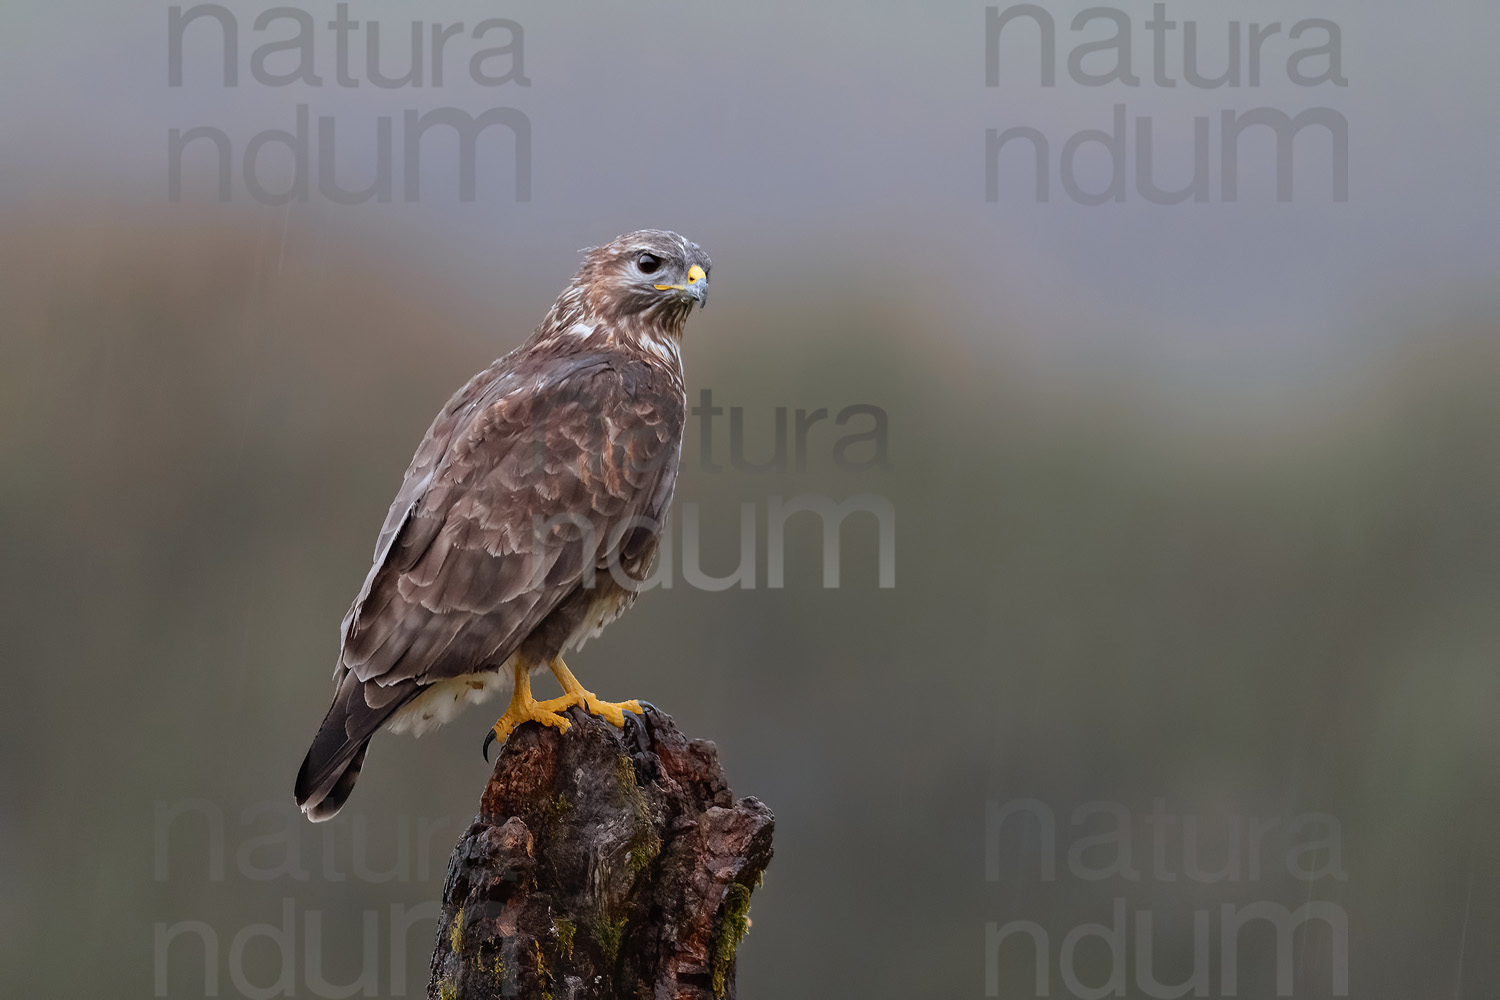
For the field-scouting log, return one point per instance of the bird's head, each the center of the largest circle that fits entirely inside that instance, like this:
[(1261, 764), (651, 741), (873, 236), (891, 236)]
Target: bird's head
[(649, 277)]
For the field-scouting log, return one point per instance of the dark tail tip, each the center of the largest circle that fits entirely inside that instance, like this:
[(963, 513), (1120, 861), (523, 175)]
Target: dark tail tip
[(333, 762), (324, 786)]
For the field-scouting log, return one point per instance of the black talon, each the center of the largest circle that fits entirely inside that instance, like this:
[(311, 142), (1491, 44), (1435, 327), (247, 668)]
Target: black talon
[(635, 732), (487, 741), (641, 721)]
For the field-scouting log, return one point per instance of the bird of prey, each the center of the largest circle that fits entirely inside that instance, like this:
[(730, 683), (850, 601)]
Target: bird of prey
[(528, 518)]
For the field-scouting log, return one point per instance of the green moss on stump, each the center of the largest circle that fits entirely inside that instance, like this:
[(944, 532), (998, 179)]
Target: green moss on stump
[(565, 930), (608, 934), (733, 926)]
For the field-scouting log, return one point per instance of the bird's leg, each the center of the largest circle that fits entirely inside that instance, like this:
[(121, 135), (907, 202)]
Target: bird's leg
[(610, 711), (524, 708)]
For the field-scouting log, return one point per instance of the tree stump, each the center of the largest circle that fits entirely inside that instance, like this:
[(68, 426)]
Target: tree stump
[(604, 863)]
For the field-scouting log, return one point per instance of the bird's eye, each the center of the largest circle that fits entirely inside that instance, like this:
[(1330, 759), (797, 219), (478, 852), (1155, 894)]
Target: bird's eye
[(649, 263)]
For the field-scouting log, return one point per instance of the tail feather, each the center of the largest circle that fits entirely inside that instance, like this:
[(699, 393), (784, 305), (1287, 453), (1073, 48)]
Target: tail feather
[(337, 754), (324, 800)]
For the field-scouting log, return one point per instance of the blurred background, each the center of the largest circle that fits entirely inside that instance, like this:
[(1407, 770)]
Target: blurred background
[(1197, 507)]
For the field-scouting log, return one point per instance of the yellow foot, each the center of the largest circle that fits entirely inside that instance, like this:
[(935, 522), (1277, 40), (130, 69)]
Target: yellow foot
[(536, 711), (612, 712), (524, 708)]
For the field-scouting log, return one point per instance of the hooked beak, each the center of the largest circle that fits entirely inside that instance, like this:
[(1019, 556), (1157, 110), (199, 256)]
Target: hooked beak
[(696, 286)]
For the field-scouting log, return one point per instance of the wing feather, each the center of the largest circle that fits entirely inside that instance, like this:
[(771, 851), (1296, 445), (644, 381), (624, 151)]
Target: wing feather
[(493, 530), (518, 487)]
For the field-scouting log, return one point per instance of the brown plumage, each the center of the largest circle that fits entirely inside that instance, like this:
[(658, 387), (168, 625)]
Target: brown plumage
[(531, 509)]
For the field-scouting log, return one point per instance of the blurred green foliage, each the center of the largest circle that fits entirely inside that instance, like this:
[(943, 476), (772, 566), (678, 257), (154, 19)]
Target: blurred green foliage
[(1105, 589)]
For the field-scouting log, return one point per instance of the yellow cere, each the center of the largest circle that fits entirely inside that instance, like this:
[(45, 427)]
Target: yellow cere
[(695, 275)]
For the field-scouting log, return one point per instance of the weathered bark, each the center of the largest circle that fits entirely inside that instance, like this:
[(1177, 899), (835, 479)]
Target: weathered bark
[(604, 863)]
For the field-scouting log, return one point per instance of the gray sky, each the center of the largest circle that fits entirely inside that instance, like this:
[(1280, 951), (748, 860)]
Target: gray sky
[(848, 141)]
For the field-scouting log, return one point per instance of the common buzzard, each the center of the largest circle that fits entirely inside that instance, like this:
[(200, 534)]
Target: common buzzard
[(528, 518)]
